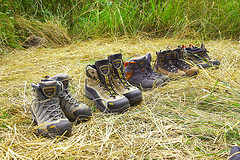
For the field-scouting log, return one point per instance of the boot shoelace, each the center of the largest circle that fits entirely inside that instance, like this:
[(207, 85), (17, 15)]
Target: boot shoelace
[(107, 86), (166, 62), (205, 55), (144, 73), (151, 70), (122, 79), (169, 66), (200, 55), (180, 62), (53, 107), (199, 51), (68, 97)]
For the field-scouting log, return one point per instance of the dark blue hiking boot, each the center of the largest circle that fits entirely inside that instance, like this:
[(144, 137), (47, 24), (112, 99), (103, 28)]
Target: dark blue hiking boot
[(199, 56), (139, 72), (234, 153)]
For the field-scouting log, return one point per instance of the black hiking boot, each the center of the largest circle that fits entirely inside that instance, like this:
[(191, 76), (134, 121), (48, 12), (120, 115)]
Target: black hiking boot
[(139, 73), (73, 110), (165, 64), (100, 88), (133, 94), (47, 112), (199, 56)]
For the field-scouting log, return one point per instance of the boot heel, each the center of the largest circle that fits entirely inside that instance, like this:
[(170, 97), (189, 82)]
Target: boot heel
[(88, 95)]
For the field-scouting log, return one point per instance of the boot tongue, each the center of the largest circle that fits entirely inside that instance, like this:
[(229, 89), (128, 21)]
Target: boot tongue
[(141, 62), (170, 55), (116, 61), (148, 58), (49, 89), (63, 78), (103, 69)]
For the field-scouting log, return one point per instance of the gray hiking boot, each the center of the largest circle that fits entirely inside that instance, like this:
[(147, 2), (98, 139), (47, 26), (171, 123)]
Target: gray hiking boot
[(133, 94), (100, 88), (73, 110), (137, 72), (46, 110)]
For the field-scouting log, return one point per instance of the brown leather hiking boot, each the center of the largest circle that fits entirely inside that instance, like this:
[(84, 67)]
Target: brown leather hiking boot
[(165, 64), (46, 110), (133, 94), (180, 63), (73, 110), (100, 88)]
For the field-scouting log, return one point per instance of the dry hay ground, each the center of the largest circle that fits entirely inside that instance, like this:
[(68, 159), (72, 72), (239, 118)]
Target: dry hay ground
[(190, 118)]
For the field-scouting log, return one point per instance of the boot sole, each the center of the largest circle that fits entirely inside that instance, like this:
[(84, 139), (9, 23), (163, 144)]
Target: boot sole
[(80, 118), (48, 134), (52, 135), (103, 108)]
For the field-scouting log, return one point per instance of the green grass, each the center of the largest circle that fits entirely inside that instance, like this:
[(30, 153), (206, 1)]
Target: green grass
[(100, 18)]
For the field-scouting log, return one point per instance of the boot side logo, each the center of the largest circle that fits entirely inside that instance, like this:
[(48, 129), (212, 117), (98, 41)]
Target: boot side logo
[(142, 66), (49, 91), (104, 69), (117, 63)]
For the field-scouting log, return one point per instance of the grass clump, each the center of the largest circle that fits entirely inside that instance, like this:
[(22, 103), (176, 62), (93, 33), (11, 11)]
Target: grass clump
[(91, 19)]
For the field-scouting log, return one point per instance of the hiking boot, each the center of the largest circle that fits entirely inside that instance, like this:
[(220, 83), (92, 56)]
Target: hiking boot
[(234, 153), (139, 73), (133, 94), (165, 64), (154, 74), (199, 56), (180, 63), (100, 88), (73, 110), (46, 109)]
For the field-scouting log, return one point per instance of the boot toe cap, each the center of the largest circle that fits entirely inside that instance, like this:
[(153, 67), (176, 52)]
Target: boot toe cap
[(118, 105), (60, 127), (134, 97), (84, 112)]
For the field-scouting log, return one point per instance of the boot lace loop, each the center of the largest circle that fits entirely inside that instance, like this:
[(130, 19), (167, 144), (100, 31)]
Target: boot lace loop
[(107, 86), (68, 97), (53, 107), (123, 79)]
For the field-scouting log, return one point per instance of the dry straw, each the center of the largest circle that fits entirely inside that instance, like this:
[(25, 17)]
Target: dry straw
[(190, 118)]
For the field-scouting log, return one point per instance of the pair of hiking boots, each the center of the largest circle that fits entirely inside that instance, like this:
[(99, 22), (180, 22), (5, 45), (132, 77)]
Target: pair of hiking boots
[(54, 107), (172, 63), (139, 72), (198, 56), (106, 84)]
